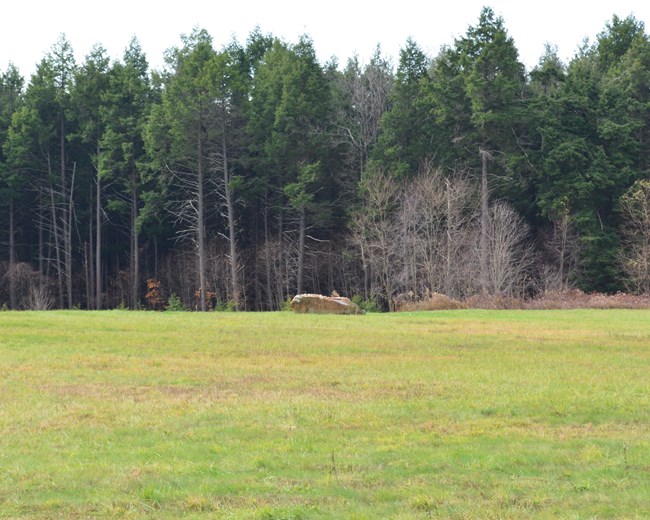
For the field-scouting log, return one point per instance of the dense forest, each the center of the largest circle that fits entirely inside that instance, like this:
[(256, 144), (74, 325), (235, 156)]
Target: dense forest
[(238, 177)]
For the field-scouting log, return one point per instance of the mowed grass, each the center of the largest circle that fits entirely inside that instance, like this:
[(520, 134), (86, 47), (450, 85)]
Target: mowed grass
[(460, 414)]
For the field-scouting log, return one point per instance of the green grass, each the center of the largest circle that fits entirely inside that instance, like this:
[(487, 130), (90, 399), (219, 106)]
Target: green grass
[(459, 414)]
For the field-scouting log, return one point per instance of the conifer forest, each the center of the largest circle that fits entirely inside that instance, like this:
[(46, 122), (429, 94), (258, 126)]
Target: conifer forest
[(238, 177)]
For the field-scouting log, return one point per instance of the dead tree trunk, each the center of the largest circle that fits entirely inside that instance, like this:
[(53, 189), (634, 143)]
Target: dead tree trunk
[(230, 207), (57, 246), (69, 211), (41, 245), (301, 250), (485, 220), (200, 224)]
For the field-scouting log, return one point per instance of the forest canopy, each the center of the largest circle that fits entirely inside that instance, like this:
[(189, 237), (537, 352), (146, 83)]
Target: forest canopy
[(240, 176)]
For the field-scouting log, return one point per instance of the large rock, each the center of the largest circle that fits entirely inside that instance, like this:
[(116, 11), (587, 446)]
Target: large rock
[(319, 304)]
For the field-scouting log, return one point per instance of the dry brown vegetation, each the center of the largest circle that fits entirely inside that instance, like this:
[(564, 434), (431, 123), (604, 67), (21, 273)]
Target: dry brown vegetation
[(571, 299)]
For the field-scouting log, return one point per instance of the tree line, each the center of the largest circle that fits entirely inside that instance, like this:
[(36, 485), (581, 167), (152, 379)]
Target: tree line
[(238, 177)]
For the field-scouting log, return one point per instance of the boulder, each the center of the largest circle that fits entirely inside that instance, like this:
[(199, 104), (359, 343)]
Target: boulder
[(319, 304)]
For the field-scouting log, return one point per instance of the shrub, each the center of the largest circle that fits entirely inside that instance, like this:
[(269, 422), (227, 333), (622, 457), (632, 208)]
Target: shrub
[(496, 302), (154, 295), (576, 299), (365, 305), (437, 302), (175, 304), (227, 306)]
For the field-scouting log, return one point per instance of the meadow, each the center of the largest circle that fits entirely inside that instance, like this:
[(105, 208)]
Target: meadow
[(449, 414)]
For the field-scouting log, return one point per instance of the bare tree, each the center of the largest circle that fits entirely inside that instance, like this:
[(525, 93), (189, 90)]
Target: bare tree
[(226, 193), (30, 290), (436, 236), (422, 223), (375, 232), (367, 92), (39, 298), (190, 214), (63, 65), (562, 247), (55, 224), (460, 201), (508, 256), (635, 205)]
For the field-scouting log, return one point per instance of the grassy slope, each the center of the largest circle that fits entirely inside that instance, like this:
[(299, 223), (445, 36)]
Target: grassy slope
[(449, 414)]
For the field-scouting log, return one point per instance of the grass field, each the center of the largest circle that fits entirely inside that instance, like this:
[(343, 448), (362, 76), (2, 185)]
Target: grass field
[(457, 414)]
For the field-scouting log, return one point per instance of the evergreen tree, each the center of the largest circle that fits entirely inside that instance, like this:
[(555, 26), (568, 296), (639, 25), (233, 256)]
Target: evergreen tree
[(290, 114), (188, 115), (41, 142), (122, 148), (12, 179), (89, 101), (406, 132)]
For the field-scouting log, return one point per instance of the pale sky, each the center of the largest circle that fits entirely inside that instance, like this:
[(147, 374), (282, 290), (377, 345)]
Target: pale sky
[(29, 28)]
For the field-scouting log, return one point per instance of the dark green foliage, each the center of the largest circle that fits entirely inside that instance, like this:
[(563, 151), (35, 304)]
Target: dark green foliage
[(256, 154), (405, 141)]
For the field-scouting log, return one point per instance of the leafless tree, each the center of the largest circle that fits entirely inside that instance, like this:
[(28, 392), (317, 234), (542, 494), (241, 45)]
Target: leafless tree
[(57, 223), (436, 218), (39, 298), (635, 205), (460, 201), (368, 93), (375, 232), (506, 266), (30, 290), (422, 224), (189, 210), (561, 246), (224, 188)]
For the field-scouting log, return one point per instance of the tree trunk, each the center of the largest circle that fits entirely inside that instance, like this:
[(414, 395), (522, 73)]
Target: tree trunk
[(90, 279), (41, 242), (68, 239), (57, 247), (282, 274), (87, 268), (12, 256), (155, 257), (267, 256), (135, 254), (366, 273), (65, 231), (257, 302), (230, 206), (484, 221), (200, 226), (301, 250), (98, 242), (564, 235), (448, 239)]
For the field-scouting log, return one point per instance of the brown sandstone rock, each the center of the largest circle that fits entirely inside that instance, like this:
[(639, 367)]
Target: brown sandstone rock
[(319, 304)]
